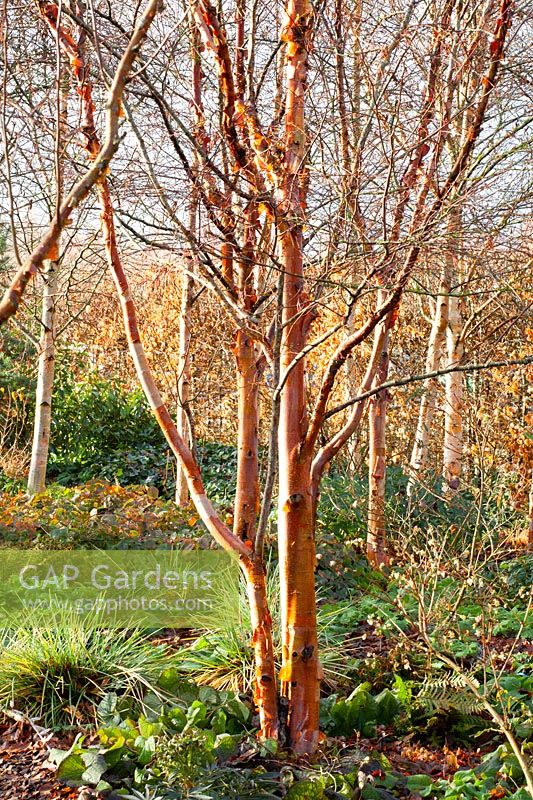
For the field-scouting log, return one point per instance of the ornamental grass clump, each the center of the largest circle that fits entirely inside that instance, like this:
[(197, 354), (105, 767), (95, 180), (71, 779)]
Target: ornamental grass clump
[(58, 675)]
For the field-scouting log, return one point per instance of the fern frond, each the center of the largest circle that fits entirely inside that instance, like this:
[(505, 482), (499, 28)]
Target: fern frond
[(449, 692)]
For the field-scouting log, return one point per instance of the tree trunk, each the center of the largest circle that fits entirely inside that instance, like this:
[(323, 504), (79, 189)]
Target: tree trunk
[(530, 527), (184, 372), (453, 404), (426, 413), (265, 695), (349, 165), (247, 495), (376, 545), (184, 382), (45, 382), (184, 375), (300, 673), (47, 349), (453, 401), (247, 492)]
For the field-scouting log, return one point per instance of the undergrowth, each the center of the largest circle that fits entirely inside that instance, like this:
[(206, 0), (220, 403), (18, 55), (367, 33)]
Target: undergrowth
[(57, 675)]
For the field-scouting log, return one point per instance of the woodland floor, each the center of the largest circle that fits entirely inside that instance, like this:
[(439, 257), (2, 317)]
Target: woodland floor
[(103, 515), (26, 773)]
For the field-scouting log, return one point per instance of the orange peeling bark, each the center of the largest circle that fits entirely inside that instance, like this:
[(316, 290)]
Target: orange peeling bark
[(247, 493), (265, 696), (300, 672)]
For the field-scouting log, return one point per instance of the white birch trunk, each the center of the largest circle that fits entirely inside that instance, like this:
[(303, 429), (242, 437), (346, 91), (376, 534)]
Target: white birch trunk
[(47, 348), (453, 404), (426, 412), (45, 383)]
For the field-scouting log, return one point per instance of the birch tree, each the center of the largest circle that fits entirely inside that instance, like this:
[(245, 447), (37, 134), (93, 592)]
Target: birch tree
[(47, 341), (276, 238)]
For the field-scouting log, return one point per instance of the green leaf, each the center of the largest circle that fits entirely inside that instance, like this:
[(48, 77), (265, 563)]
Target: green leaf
[(226, 746), (420, 784), (172, 682), (356, 713), (71, 770), (115, 753), (269, 747), (238, 709), (196, 714), (96, 765), (177, 719), (152, 706), (147, 748), (371, 793), (403, 691), (107, 708), (218, 721), (56, 756), (208, 695), (147, 728), (387, 707)]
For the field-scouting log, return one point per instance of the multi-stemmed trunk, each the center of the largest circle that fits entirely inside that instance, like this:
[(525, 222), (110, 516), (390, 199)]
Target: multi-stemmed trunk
[(301, 672), (244, 527), (265, 693), (247, 490), (183, 419), (251, 563), (248, 364)]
